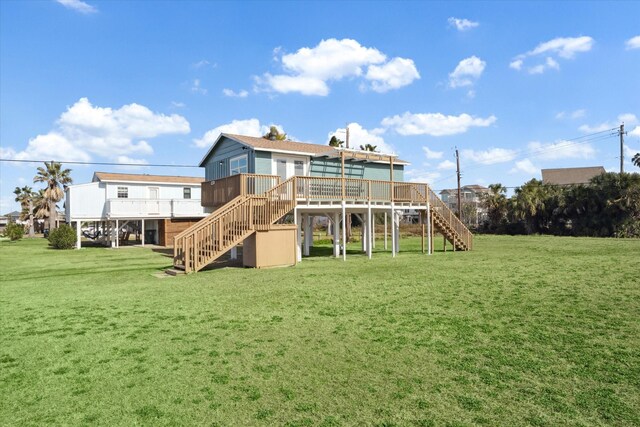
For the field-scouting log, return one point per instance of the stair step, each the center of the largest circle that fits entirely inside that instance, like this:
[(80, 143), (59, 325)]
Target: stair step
[(175, 271)]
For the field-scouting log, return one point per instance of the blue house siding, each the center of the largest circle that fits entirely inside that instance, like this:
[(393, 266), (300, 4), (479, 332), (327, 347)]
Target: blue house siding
[(217, 164), (361, 170)]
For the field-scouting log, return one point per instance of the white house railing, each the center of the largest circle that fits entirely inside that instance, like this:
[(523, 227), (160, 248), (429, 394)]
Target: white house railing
[(154, 208)]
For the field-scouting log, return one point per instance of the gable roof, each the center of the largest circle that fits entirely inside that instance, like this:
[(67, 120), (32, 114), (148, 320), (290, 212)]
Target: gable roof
[(473, 187), (568, 176), (130, 177), (262, 144)]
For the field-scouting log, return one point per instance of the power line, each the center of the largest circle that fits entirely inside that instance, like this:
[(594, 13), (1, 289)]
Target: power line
[(98, 163)]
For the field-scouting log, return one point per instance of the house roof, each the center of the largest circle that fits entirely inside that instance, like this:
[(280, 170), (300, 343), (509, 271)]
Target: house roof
[(568, 176), (130, 177), (474, 187), (263, 144), (14, 213)]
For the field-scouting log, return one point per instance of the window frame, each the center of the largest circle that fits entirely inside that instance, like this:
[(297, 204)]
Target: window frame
[(122, 192), (236, 170), (186, 193)]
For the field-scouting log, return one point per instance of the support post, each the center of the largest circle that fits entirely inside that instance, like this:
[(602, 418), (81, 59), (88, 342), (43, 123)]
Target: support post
[(344, 229), (307, 234), (373, 230), (298, 221), (393, 231), (396, 224), (385, 231), (429, 230), (233, 253), (142, 237), (369, 232), (117, 232), (422, 233), (78, 234), (336, 234)]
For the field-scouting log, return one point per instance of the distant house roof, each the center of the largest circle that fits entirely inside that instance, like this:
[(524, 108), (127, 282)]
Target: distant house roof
[(473, 187), (568, 176), (263, 144), (12, 214), (130, 177)]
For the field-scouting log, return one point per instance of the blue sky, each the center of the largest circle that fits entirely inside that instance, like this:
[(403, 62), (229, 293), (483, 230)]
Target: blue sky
[(154, 82)]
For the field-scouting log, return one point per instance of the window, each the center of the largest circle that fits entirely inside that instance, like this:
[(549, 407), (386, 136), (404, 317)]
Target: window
[(238, 165), (123, 192), (299, 168), (186, 193)]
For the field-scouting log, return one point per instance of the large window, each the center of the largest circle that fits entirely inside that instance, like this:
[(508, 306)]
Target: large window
[(123, 192), (238, 165), (186, 193), (298, 168)]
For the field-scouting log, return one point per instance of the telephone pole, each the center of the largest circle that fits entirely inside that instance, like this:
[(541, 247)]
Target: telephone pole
[(621, 132), (458, 168)]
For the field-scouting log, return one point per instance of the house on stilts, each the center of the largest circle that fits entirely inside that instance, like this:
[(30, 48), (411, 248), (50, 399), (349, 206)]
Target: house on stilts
[(252, 184)]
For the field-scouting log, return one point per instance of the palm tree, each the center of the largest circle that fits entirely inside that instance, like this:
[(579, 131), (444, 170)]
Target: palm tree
[(368, 147), (55, 178), (275, 135), (24, 196), (496, 204), (636, 160), (335, 142)]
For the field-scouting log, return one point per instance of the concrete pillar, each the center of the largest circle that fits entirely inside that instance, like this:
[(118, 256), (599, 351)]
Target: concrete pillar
[(78, 234), (369, 234), (143, 233), (117, 234), (307, 234), (298, 221), (428, 219), (336, 234), (233, 253), (385, 231), (373, 230), (344, 231), (396, 225), (393, 232)]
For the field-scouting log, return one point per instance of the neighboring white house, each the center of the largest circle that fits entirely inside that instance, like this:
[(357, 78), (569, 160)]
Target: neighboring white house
[(471, 195), (155, 207)]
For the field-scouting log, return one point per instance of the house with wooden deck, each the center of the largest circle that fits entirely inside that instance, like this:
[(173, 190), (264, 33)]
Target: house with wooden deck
[(154, 207), (253, 185)]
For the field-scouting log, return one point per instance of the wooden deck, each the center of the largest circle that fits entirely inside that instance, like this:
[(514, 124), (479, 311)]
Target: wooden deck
[(246, 203)]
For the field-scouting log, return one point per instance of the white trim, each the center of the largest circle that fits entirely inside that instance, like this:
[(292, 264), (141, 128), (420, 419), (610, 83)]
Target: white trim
[(180, 184)]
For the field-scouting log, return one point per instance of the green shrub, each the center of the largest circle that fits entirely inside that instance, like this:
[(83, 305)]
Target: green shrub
[(14, 231), (63, 237)]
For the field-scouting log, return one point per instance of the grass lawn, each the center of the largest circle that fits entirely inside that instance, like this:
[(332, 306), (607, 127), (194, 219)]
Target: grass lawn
[(521, 331)]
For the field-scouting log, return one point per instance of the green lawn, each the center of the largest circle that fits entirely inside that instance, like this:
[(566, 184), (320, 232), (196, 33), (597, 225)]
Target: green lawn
[(521, 331)]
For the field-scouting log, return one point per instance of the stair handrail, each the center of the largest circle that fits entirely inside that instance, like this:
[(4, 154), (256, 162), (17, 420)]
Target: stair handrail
[(458, 226)]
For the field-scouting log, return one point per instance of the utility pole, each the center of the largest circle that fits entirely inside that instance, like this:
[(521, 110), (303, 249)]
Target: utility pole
[(458, 168), (621, 132)]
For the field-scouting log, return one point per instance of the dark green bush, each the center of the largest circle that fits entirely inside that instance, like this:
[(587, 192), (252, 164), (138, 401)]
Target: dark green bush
[(63, 237), (14, 231)]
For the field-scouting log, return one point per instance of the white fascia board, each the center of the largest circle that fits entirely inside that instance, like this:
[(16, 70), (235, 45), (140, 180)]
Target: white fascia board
[(270, 150), (181, 184)]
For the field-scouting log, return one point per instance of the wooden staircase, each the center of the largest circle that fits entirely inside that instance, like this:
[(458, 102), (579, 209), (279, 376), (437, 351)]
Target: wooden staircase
[(204, 242), (448, 224)]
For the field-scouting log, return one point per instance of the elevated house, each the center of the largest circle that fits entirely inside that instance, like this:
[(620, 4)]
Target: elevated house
[(471, 195), (252, 185), (155, 207)]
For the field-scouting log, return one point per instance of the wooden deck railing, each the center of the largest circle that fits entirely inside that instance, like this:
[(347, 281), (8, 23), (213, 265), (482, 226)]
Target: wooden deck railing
[(220, 191)]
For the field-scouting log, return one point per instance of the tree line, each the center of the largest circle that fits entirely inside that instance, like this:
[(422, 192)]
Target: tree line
[(608, 206)]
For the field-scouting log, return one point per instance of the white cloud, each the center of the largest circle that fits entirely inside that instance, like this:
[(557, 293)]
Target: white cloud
[(432, 154), (577, 114), (467, 72), (630, 152), (78, 6), (85, 130), (203, 63), (488, 157), (516, 64), (561, 150), (248, 127), (358, 136), (635, 132), (129, 163), (561, 47), (434, 124), (628, 119), (462, 24), (447, 165), (421, 176), (176, 104), (309, 70), (633, 43), (394, 74), (232, 94), (196, 87), (525, 166)]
